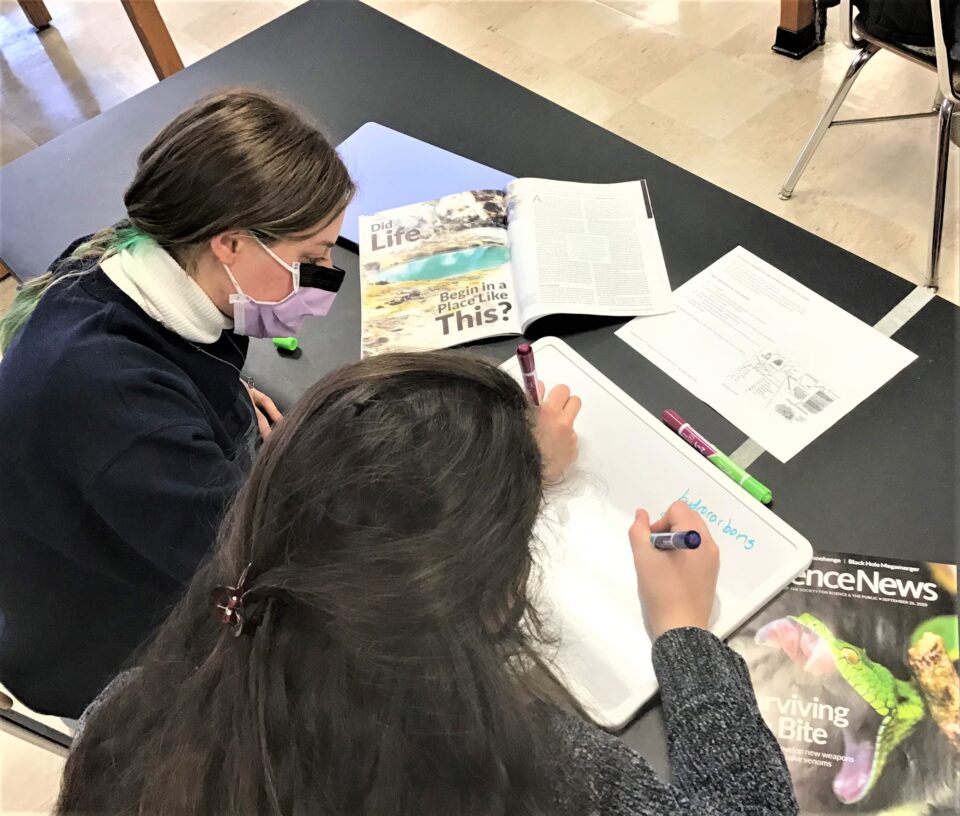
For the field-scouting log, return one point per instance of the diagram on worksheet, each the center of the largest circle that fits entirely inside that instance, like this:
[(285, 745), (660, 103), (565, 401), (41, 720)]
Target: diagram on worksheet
[(785, 387)]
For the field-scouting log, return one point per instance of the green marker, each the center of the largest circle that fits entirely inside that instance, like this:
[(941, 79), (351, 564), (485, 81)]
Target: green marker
[(677, 423), (755, 488), (286, 343)]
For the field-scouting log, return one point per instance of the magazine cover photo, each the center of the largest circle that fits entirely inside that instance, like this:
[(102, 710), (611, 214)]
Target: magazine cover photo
[(436, 274), (855, 670)]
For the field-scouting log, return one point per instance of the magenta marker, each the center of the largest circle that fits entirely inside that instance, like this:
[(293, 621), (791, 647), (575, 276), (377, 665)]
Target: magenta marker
[(679, 425), (528, 369)]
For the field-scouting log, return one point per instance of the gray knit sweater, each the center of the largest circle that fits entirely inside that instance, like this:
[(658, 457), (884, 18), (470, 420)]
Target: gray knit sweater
[(723, 757)]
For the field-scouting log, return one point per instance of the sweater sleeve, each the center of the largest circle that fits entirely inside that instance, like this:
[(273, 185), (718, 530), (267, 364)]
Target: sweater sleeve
[(723, 757), (165, 493), (721, 751)]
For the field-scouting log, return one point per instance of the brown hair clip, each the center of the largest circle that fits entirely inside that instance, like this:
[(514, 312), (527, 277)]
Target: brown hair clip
[(229, 600)]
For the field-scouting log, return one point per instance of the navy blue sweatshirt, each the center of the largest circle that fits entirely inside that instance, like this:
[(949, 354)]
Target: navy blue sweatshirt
[(121, 443)]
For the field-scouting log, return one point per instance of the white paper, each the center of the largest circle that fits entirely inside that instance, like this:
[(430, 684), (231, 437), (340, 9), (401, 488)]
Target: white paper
[(585, 249), (777, 360)]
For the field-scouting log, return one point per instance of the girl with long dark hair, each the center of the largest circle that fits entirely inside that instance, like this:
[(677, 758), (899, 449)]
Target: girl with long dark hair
[(362, 642)]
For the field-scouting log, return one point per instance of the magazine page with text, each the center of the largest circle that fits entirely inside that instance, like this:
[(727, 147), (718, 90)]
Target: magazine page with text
[(585, 249)]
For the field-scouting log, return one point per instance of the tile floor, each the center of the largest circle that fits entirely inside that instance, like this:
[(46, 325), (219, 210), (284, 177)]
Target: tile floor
[(691, 80)]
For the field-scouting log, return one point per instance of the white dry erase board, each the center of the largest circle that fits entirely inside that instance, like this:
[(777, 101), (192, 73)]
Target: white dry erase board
[(585, 583)]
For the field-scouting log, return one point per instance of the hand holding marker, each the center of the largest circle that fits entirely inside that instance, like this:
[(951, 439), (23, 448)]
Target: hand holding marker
[(677, 423), (555, 416), (677, 588)]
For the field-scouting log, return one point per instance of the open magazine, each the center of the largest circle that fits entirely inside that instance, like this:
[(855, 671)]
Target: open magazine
[(485, 263), (854, 667)]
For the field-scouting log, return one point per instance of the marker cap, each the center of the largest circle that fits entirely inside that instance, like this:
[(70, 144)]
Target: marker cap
[(758, 490)]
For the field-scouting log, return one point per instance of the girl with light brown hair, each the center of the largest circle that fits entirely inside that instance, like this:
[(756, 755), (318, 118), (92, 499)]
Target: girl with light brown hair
[(125, 424)]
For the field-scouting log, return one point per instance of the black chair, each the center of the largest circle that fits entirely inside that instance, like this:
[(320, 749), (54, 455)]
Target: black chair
[(948, 80)]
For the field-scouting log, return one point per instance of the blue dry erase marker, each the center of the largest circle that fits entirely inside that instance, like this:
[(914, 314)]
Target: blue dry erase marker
[(677, 540)]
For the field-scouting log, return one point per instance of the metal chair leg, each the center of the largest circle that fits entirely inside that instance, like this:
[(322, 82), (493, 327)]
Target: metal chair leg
[(939, 190), (861, 59)]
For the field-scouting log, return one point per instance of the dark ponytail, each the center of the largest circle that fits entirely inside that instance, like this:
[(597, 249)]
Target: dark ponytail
[(384, 663)]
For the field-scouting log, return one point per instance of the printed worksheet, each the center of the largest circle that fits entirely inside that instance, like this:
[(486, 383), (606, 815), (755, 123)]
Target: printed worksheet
[(776, 359)]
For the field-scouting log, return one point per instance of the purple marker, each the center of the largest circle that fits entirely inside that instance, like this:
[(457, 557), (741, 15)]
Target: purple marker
[(677, 540), (528, 369), (688, 434)]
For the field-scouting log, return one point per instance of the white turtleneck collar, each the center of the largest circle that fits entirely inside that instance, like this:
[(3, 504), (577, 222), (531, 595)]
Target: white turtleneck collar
[(153, 280)]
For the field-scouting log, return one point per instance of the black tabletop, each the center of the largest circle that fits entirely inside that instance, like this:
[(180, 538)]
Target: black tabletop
[(883, 480)]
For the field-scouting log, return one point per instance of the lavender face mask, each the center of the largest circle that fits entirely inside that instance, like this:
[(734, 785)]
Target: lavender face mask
[(314, 290)]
